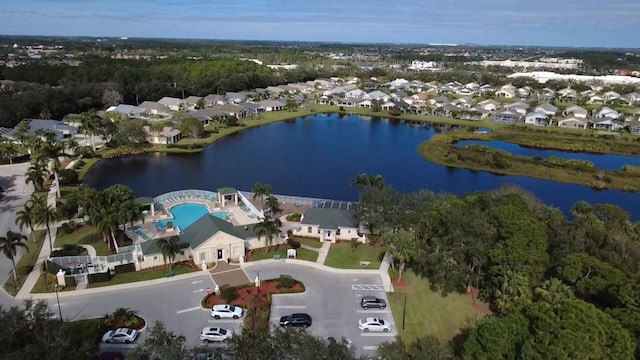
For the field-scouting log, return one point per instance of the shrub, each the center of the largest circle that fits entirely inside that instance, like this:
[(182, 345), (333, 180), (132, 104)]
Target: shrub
[(68, 227), (125, 268), (294, 245), (68, 177), (68, 250), (294, 217), (78, 164), (228, 293), (285, 282)]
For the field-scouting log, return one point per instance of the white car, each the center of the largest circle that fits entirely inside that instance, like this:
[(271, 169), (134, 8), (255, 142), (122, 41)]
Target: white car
[(226, 311), (121, 335), (373, 324), (210, 334)]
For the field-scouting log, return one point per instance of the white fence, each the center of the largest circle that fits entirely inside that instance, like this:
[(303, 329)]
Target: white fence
[(185, 195), (249, 205)]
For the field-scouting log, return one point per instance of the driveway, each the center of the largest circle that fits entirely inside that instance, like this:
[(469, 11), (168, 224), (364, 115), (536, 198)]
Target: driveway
[(332, 300)]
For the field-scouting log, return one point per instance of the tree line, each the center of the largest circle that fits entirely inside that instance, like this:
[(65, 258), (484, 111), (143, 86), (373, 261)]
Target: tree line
[(559, 287)]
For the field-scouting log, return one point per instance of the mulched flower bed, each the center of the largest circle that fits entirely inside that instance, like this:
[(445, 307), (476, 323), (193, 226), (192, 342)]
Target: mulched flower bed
[(245, 295)]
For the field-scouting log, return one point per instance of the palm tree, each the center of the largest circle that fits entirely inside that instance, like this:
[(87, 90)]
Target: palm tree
[(273, 205), (35, 175), (88, 125), (155, 129), (105, 221), (267, 228), (9, 245), (169, 248), (45, 215), (260, 191), (26, 217), (365, 180)]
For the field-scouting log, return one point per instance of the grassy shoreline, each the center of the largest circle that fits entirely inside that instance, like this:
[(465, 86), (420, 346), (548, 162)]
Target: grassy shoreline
[(440, 150)]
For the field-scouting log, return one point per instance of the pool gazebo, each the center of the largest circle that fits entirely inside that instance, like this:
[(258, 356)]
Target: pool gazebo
[(228, 194), (143, 202)]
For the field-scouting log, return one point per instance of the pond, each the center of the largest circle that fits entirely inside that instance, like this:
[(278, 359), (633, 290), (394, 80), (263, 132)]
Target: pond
[(600, 161), (317, 156)]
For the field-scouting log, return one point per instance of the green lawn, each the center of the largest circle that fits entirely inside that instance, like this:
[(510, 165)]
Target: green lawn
[(309, 242), (144, 275), (26, 262), (45, 285), (430, 313), (342, 256), (302, 254), (88, 329), (84, 236)]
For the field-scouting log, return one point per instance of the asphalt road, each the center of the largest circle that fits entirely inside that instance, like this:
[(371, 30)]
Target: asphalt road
[(16, 193)]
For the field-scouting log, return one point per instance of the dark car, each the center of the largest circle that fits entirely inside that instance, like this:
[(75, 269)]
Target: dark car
[(372, 302), (296, 320)]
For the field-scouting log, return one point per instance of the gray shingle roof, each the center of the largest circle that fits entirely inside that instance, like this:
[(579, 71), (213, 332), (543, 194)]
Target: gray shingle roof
[(209, 225), (328, 218)]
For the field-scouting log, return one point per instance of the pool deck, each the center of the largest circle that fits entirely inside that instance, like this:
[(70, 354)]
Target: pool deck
[(147, 230)]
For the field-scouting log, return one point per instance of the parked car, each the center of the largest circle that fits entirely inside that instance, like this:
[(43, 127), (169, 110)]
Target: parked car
[(217, 334), (226, 311), (296, 320), (373, 324), (372, 302), (121, 335)]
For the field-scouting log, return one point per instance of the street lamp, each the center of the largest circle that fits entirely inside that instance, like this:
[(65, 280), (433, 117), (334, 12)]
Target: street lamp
[(58, 299)]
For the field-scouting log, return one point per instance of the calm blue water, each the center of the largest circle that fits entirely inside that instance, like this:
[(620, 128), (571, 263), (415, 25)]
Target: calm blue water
[(186, 214), (318, 156), (601, 161)]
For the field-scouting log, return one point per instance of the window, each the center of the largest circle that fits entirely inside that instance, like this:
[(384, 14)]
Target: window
[(318, 230), (338, 232), (182, 253), (155, 258), (309, 230), (203, 256)]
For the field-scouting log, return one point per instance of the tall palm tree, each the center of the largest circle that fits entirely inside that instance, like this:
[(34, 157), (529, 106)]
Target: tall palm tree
[(35, 175), (273, 205), (88, 126), (267, 228), (45, 215), (260, 191), (169, 248), (9, 245), (105, 221), (26, 217)]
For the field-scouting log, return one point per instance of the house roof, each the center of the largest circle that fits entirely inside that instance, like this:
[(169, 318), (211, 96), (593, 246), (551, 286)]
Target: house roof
[(170, 101), (208, 225), (127, 109), (327, 218), (634, 124), (546, 107), (573, 118), (152, 105), (149, 247), (56, 126)]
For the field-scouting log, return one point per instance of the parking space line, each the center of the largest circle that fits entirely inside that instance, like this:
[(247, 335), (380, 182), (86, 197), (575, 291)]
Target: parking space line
[(215, 321), (370, 347), (379, 334), (374, 312), (289, 306), (188, 310), (367, 287)]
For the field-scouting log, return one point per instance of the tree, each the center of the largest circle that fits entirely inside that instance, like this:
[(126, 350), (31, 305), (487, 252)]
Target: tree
[(35, 175), (88, 125), (267, 228), (192, 127), (45, 215), (426, 348), (402, 246), (260, 191), (161, 344), (9, 245), (129, 133), (156, 128), (273, 205), (291, 105), (365, 180), (169, 248), (55, 341), (26, 216)]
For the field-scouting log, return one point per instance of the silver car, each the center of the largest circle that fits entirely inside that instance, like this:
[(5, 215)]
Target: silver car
[(215, 334), (121, 335)]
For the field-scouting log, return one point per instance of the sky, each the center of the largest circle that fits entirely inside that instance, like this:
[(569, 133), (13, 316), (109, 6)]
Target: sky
[(582, 23)]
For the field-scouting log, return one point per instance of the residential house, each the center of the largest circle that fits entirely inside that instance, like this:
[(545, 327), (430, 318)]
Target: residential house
[(472, 85), (605, 112), (213, 99), (446, 111), (239, 111), (611, 95), (235, 98), (377, 95), (193, 102), (274, 90), (633, 98), (174, 104), (546, 95), (464, 102), (573, 122), (507, 91), (588, 93), (398, 84), (58, 128), (355, 93), (526, 93), (439, 101), (272, 105), (546, 108), (388, 106), (338, 90), (567, 95), (327, 224), (519, 107), (489, 105), (417, 85), (486, 89), (538, 118), (353, 102), (604, 123), (634, 127), (576, 111), (596, 100), (155, 108), (167, 135), (205, 116), (419, 98), (288, 89), (399, 95), (254, 108), (352, 80), (302, 87), (129, 111), (465, 91), (633, 114), (476, 113), (507, 117)]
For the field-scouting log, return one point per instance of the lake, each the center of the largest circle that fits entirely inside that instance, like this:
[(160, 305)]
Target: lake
[(600, 161), (317, 156)]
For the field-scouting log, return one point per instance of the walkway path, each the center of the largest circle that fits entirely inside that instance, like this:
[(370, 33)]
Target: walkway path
[(323, 252)]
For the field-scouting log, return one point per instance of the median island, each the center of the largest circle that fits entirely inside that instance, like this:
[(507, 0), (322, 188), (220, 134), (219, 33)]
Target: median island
[(441, 149)]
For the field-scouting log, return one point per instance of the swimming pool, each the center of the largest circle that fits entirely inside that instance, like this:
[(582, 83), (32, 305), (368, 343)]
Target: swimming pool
[(186, 214)]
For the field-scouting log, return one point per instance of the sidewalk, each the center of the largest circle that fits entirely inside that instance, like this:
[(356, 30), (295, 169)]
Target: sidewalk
[(34, 275), (323, 252)]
